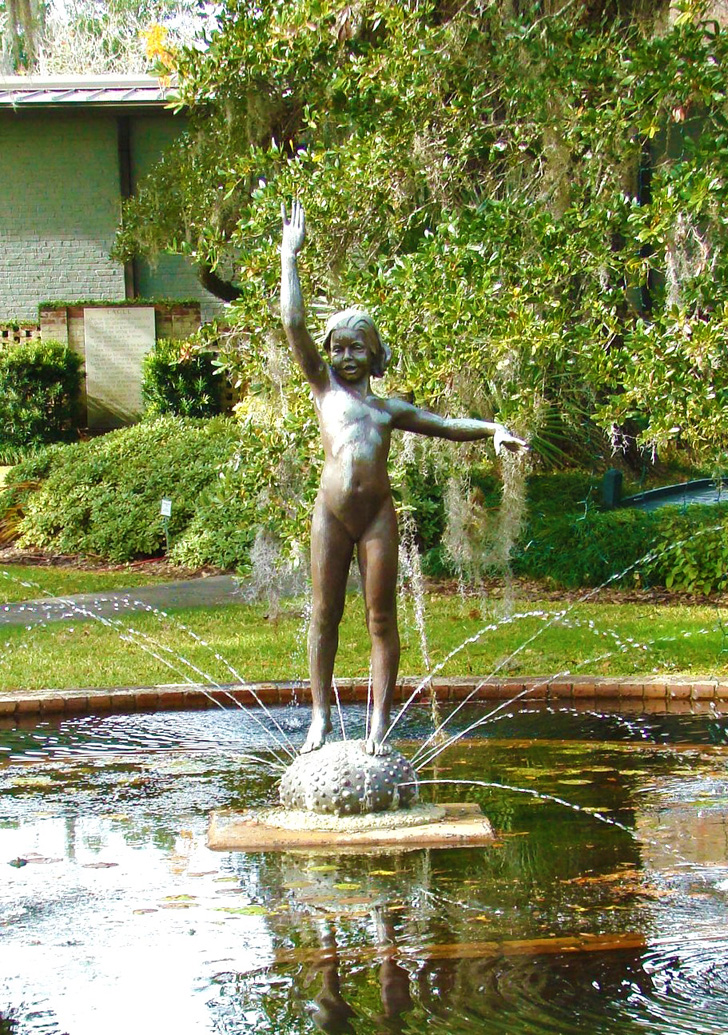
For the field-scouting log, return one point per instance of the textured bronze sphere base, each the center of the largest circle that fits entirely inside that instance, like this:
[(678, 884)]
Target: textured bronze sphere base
[(341, 779)]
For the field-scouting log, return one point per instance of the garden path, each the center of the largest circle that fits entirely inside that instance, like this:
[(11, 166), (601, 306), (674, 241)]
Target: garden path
[(211, 591)]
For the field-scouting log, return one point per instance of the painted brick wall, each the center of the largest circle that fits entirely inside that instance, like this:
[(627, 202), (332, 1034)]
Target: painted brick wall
[(59, 208), (171, 276)]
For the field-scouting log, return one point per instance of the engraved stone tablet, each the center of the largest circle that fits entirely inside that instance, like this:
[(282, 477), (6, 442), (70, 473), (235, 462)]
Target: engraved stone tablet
[(116, 342)]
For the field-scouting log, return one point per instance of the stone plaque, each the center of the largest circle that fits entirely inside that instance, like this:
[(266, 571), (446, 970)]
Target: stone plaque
[(117, 339)]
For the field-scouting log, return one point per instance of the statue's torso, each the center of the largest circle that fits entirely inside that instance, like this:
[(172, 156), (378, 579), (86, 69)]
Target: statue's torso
[(356, 435)]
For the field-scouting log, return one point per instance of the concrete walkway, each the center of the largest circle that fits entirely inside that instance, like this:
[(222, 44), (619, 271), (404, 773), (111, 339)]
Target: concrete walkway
[(214, 591)]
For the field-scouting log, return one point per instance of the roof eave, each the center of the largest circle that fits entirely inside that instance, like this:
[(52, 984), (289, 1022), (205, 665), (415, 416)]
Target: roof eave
[(59, 92)]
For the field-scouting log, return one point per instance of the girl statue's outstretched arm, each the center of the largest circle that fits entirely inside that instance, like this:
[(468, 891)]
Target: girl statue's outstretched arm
[(457, 429), (292, 311)]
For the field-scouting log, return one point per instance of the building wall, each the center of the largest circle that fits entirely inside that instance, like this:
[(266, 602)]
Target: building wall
[(60, 203), (171, 276), (59, 208)]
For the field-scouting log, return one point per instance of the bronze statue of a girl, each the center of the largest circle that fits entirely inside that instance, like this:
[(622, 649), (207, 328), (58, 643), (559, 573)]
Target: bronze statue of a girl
[(354, 505)]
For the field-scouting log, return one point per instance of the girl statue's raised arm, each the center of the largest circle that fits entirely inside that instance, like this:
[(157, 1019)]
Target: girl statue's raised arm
[(292, 311)]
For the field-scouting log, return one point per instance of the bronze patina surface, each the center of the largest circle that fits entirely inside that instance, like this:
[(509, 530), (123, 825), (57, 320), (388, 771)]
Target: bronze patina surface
[(354, 508)]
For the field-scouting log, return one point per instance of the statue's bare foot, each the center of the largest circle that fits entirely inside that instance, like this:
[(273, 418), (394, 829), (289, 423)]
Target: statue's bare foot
[(316, 737), (376, 747), (375, 744)]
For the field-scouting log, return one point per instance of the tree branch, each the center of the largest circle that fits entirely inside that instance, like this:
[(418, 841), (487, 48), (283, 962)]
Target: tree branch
[(224, 289)]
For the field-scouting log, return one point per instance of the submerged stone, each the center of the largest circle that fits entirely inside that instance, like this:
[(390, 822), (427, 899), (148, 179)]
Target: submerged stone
[(341, 779)]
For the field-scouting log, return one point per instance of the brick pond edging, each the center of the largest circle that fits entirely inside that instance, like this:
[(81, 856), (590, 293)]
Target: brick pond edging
[(647, 694)]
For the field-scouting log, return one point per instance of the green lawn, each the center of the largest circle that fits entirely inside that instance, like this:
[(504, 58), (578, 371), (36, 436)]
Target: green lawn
[(30, 581), (610, 639)]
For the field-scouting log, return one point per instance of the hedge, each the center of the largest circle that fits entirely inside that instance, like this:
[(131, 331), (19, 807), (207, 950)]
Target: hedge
[(40, 385)]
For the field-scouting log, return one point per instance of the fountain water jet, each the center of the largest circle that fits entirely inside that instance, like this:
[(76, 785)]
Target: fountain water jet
[(143, 640), (558, 616)]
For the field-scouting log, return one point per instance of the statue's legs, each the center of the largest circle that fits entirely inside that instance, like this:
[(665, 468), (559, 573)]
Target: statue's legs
[(378, 556), (331, 551)]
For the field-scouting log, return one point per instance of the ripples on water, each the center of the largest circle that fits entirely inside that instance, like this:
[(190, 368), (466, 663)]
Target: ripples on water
[(114, 915), (236, 730)]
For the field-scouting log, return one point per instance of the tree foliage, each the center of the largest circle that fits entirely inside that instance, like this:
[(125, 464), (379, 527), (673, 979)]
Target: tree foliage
[(530, 199), (40, 387)]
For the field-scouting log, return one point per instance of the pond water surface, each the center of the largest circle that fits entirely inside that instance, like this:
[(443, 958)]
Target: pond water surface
[(602, 907)]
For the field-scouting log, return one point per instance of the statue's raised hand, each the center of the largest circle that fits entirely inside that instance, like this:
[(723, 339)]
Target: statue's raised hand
[(294, 230)]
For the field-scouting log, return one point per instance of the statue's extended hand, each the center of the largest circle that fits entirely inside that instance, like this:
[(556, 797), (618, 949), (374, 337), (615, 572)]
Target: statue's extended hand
[(294, 230), (502, 439)]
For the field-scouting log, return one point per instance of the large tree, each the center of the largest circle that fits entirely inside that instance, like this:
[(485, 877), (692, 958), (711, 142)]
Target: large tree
[(21, 29), (530, 198)]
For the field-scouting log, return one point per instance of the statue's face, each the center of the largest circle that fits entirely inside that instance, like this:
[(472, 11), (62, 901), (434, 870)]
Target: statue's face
[(350, 355)]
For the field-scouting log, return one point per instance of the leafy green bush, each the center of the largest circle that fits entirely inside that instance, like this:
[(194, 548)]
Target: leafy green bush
[(572, 543), (36, 466), (21, 482), (227, 480), (691, 548), (268, 484), (553, 495), (179, 378), (586, 548), (40, 384), (103, 497), (418, 487)]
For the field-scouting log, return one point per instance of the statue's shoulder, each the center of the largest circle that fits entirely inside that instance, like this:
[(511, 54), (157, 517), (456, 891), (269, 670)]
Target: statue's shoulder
[(396, 403), (326, 383)]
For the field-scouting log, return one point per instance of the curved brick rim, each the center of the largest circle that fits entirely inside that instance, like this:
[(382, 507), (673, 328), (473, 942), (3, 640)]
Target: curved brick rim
[(654, 695)]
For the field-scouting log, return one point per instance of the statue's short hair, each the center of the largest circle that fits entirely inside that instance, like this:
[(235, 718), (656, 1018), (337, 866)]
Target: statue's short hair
[(360, 320)]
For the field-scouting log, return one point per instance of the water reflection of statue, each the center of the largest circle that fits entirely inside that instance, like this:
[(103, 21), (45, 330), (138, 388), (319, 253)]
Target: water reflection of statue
[(354, 505), (332, 1013)]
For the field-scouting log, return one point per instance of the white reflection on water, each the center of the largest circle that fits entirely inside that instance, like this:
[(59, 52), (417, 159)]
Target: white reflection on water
[(111, 948)]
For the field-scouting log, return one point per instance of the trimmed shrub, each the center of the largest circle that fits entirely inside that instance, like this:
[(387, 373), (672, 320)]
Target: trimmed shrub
[(682, 548), (103, 497), (220, 532), (179, 378), (40, 385), (227, 482), (586, 548), (267, 486), (230, 480), (21, 483)]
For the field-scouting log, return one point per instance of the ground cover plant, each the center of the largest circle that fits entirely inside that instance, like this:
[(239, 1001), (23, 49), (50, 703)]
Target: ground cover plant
[(570, 540), (102, 498), (231, 481), (252, 479), (590, 638)]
